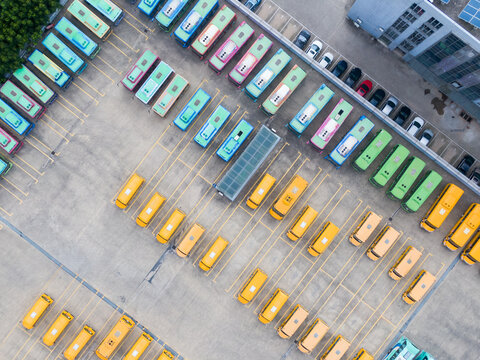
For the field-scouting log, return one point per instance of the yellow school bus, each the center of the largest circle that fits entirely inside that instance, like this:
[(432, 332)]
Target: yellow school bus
[(114, 338), (149, 211), (36, 311), (261, 191), (129, 191), (79, 343), (337, 349), (464, 228), (302, 223), (442, 206), (57, 328), (289, 196), (251, 287), (213, 254), (366, 227), (471, 254), (273, 306), (136, 351), (419, 287), (170, 226)]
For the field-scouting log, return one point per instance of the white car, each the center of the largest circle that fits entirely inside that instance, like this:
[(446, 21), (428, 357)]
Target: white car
[(326, 60), (426, 137), (314, 49), (415, 126), (390, 104)]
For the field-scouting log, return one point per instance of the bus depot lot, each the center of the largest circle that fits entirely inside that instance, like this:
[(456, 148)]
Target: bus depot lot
[(71, 215)]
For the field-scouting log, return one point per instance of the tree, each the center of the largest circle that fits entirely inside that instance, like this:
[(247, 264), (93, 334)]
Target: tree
[(21, 24)]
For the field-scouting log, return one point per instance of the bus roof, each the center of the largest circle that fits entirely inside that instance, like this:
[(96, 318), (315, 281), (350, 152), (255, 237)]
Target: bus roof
[(390, 165), (63, 53), (194, 19), (108, 9), (89, 19), (73, 34), (156, 79), (191, 110), (423, 191), (51, 70), (373, 149), (405, 179), (170, 95)]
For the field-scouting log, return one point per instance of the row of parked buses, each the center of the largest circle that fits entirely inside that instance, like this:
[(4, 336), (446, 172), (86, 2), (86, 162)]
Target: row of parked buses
[(106, 348), (25, 96)]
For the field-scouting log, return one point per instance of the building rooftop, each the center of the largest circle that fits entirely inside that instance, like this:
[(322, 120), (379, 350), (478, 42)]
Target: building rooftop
[(452, 9)]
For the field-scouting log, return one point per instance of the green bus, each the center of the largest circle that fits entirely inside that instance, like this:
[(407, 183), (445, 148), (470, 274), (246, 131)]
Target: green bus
[(236, 138), (22, 101), (372, 150), (170, 95), (5, 165), (9, 143), (173, 10), (310, 110), (142, 67), (63, 53), (155, 81), (422, 191), (76, 37), (192, 109), (331, 125), (405, 179), (248, 62), (389, 166), (213, 124), (108, 9), (33, 83), (213, 31), (269, 72), (91, 21), (283, 91), (51, 70)]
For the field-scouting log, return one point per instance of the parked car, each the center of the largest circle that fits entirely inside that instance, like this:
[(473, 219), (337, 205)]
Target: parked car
[(364, 88), (465, 164), (314, 49), (302, 39), (253, 4), (415, 126), (475, 176), (340, 68), (326, 60), (377, 97), (402, 115), (389, 105), (353, 77), (426, 137)]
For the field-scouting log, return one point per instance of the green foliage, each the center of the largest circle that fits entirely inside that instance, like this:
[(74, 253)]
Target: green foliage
[(20, 28)]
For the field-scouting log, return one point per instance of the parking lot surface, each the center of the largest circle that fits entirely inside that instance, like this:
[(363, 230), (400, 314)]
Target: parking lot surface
[(63, 234)]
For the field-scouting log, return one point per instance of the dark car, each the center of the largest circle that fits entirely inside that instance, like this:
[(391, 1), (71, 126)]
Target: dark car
[(377, 97), (475, 176), (465, 164), (353, 77), (364, 88), (340, 68), (402, 115), (302, 39), (252, 4)]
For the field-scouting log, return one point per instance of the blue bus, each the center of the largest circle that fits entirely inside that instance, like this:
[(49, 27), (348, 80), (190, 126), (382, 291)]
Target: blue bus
[(148, 6), (234, 140), (81, 41), (195, 106), (171, 12), (196, 18), (13, 119), (63, 53), (310, 110), (51, 70), (350, 141)]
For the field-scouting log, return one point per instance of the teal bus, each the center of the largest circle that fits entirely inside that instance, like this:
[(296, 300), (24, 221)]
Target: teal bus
[(230, 47), (372, 150), (310, 110), (248, 62), (193, 22), (8, 142), (213, 31), (13, 119), (5, 165), (148, 6), (154, 82), (21, 100), (405, 178), (331, 125), (171, 12), (403, 349), (350, 141), (389, 166), (213, 124), (424, 356), (33, 83), (269, 72), (422, 191), (108, 9), (283, 91), (76, 37), (63, 53), (91, 21), (233, 141), (192, 109), (51, 70), (170, 95), (140, 70)]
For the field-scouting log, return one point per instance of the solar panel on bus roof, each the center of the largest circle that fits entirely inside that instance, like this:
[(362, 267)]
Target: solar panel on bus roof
[(249, 161), (471, 13)]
